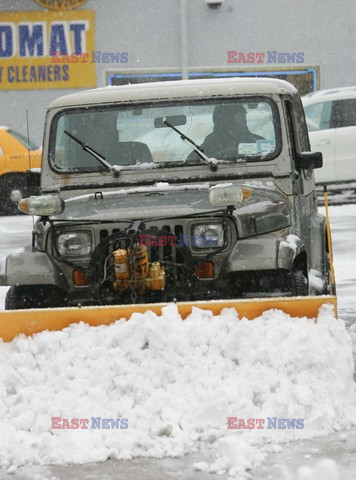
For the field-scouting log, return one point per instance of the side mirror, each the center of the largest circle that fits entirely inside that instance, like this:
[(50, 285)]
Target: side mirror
[(33, 179), (308, 160)]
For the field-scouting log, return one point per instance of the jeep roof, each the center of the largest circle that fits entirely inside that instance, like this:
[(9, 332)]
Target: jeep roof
[(176, 89)]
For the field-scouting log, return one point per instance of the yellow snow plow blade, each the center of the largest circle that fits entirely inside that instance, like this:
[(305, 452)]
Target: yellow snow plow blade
[(28, 322)]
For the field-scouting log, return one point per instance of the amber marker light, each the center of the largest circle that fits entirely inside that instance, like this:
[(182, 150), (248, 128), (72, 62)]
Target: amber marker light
[(79, 278), (205, 270)]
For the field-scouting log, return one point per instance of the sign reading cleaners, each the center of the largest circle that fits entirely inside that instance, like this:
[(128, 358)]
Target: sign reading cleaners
[(27, 40)]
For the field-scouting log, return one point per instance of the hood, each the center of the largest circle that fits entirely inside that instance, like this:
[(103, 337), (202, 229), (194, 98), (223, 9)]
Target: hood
[(265, 210), (132, 204)]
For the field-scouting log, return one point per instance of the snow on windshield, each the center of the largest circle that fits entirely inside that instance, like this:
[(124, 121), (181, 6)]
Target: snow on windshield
[(140, 135)]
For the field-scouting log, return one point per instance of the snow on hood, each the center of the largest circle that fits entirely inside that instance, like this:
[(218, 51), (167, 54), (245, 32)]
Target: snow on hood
[(162, 199), (142, 202), (175, 382)]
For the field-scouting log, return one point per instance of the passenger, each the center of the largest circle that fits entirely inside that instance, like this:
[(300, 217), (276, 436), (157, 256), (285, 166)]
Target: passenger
[(230, 129)]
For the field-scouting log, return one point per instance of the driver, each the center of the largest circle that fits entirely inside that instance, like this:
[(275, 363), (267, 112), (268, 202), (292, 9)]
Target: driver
[(230, 129)]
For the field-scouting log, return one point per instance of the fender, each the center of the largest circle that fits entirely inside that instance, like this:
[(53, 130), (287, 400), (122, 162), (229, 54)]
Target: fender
[(28, 267), (253, 253), (264, 252)]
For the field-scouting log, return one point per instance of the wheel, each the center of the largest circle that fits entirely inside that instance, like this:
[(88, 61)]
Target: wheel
[(299, 283), (37, 296)]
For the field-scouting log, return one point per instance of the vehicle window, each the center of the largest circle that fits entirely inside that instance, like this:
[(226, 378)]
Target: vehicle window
[(318, 116), (125, 136), (23, 140), (346, 113)]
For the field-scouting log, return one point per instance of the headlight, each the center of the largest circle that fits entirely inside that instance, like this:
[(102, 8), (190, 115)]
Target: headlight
[(74, 244), (208, 236)]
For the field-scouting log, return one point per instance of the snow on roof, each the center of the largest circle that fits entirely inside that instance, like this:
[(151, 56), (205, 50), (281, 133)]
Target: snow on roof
[(330, 94), (177, 89)]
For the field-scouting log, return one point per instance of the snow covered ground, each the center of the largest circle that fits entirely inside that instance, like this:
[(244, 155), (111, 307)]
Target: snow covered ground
[(177, 382)]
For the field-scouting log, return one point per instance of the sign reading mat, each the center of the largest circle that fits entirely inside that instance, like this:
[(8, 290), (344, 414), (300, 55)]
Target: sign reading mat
[(27, 40)]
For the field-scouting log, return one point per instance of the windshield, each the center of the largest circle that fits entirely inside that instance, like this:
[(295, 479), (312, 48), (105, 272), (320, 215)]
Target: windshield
[(143, 137)]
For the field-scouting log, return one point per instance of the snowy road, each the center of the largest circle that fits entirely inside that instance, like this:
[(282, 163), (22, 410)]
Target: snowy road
[(281, 465)]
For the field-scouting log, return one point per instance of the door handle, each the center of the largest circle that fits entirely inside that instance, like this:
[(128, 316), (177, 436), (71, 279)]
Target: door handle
[(326, 141)]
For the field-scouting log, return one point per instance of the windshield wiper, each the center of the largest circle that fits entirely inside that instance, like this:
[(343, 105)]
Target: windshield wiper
[(114, 170), (197, 149)]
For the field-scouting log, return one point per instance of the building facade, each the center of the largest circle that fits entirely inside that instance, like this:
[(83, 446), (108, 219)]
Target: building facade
[(52, 47)]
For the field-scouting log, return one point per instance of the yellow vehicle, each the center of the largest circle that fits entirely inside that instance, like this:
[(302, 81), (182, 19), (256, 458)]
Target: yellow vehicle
[(15, 159)]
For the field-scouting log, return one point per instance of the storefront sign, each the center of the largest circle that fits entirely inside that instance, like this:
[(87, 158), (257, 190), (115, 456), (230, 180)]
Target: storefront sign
[(27, 40)]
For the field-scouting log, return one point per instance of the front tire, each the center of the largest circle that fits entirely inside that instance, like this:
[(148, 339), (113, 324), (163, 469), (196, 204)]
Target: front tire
[(299, 283), (37, 296)]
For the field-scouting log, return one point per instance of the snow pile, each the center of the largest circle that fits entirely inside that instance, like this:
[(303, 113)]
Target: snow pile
[(325, 469), (3, 291), (352, 332), (316, 282), (176, 382), (292, 242)]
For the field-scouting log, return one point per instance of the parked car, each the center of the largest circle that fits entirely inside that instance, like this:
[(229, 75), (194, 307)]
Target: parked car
[(16, 158), (331, 122)]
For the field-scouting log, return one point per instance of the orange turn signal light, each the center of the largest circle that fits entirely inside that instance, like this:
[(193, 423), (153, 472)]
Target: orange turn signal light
[(79, 278), (205, 270), (246, 193)]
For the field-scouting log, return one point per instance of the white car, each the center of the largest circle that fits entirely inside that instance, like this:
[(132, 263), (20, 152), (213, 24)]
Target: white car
[(331, 122)]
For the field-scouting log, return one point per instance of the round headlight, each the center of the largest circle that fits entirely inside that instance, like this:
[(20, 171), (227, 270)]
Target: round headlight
[(74, 244)]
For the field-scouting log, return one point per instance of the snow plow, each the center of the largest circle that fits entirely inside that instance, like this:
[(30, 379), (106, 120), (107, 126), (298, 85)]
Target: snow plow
[(29, 322), (200, 193)]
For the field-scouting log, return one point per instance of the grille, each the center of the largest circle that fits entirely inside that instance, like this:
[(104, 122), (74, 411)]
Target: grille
[(168, 255), (162, 253)]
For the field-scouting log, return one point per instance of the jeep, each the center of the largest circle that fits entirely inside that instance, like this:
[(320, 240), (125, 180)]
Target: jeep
[(173, 191)]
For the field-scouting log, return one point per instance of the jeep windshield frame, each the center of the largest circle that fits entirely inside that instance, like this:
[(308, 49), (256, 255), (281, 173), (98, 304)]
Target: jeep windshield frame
[(261, 142)]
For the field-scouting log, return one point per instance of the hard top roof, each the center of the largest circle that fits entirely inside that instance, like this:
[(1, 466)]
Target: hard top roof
[(176, 89)]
